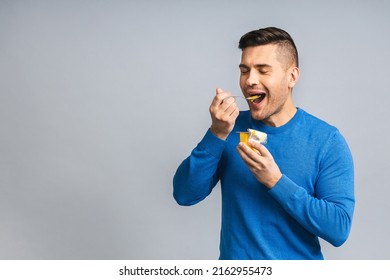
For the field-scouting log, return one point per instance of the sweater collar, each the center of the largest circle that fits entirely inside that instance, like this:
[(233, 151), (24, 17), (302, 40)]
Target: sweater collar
[(258, 125)]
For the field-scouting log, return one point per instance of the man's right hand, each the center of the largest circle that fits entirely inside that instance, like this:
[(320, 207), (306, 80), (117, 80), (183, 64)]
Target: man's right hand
[(224, 112)]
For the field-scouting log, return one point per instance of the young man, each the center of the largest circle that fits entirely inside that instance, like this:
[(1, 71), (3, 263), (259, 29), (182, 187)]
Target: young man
[(280, 197)]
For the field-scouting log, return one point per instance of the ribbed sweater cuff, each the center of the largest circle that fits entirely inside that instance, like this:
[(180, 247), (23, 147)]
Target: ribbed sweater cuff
[(284, 189), (212, 144)]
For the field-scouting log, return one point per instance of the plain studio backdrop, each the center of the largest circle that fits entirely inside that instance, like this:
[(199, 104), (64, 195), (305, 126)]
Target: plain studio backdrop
[(100, 101)]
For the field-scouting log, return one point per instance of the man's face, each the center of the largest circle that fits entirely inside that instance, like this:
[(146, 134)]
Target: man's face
[(262, 73)]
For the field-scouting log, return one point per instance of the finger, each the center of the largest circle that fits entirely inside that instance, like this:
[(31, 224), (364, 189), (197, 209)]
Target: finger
[(221, 96), (243, 151), (226, 100), (229, 99), (218, 99), (230, 107), (263, 151), (235, 113), (250, 156)]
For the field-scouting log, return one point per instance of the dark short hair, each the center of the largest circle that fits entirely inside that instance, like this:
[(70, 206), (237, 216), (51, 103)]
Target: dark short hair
[(271, 35)]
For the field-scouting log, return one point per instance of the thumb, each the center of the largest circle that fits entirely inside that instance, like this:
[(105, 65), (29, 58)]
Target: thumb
[(264, 151), (261, 148), (219, 91)]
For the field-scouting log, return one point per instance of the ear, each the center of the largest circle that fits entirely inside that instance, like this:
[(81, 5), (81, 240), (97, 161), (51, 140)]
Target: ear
[(293, 76)]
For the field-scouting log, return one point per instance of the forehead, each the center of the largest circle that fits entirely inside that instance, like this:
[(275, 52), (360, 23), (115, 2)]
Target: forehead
[(265, 54)]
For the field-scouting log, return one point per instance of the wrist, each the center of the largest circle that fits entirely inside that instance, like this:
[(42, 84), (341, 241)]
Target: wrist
[(219, 134), (273, 181)]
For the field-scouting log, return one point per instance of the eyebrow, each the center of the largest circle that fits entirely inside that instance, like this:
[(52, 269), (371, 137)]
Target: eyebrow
[(256, 66)]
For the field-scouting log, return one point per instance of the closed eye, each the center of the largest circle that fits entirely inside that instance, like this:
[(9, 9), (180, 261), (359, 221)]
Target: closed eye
[(244, 70)]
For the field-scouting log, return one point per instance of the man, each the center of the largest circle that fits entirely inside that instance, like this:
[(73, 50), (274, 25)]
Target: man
[(280, 197)]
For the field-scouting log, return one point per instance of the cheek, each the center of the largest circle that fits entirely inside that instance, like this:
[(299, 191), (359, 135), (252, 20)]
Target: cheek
[(277, 92), (279, 85)]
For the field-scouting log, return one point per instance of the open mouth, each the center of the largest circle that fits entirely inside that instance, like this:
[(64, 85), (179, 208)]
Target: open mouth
[(257, 98)]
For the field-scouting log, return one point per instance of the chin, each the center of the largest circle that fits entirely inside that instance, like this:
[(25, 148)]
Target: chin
[(257, 115)]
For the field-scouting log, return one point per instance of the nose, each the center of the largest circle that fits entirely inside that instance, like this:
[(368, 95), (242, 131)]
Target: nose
[(253, 78)]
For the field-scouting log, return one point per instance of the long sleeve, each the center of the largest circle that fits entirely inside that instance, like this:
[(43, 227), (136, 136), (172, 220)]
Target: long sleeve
[(328, 213), (197, 174), (313, 199)]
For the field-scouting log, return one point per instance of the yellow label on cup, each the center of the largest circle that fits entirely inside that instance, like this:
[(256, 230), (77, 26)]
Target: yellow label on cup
[(244, 136)]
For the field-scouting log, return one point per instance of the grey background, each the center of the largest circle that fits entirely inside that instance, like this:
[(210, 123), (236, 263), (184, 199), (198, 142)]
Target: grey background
[(101, 100)]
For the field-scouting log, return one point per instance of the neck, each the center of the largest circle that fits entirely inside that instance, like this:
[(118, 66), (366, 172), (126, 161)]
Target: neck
[(281, 117)]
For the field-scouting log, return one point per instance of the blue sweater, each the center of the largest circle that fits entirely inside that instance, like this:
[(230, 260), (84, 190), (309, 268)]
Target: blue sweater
[(314, 198)]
